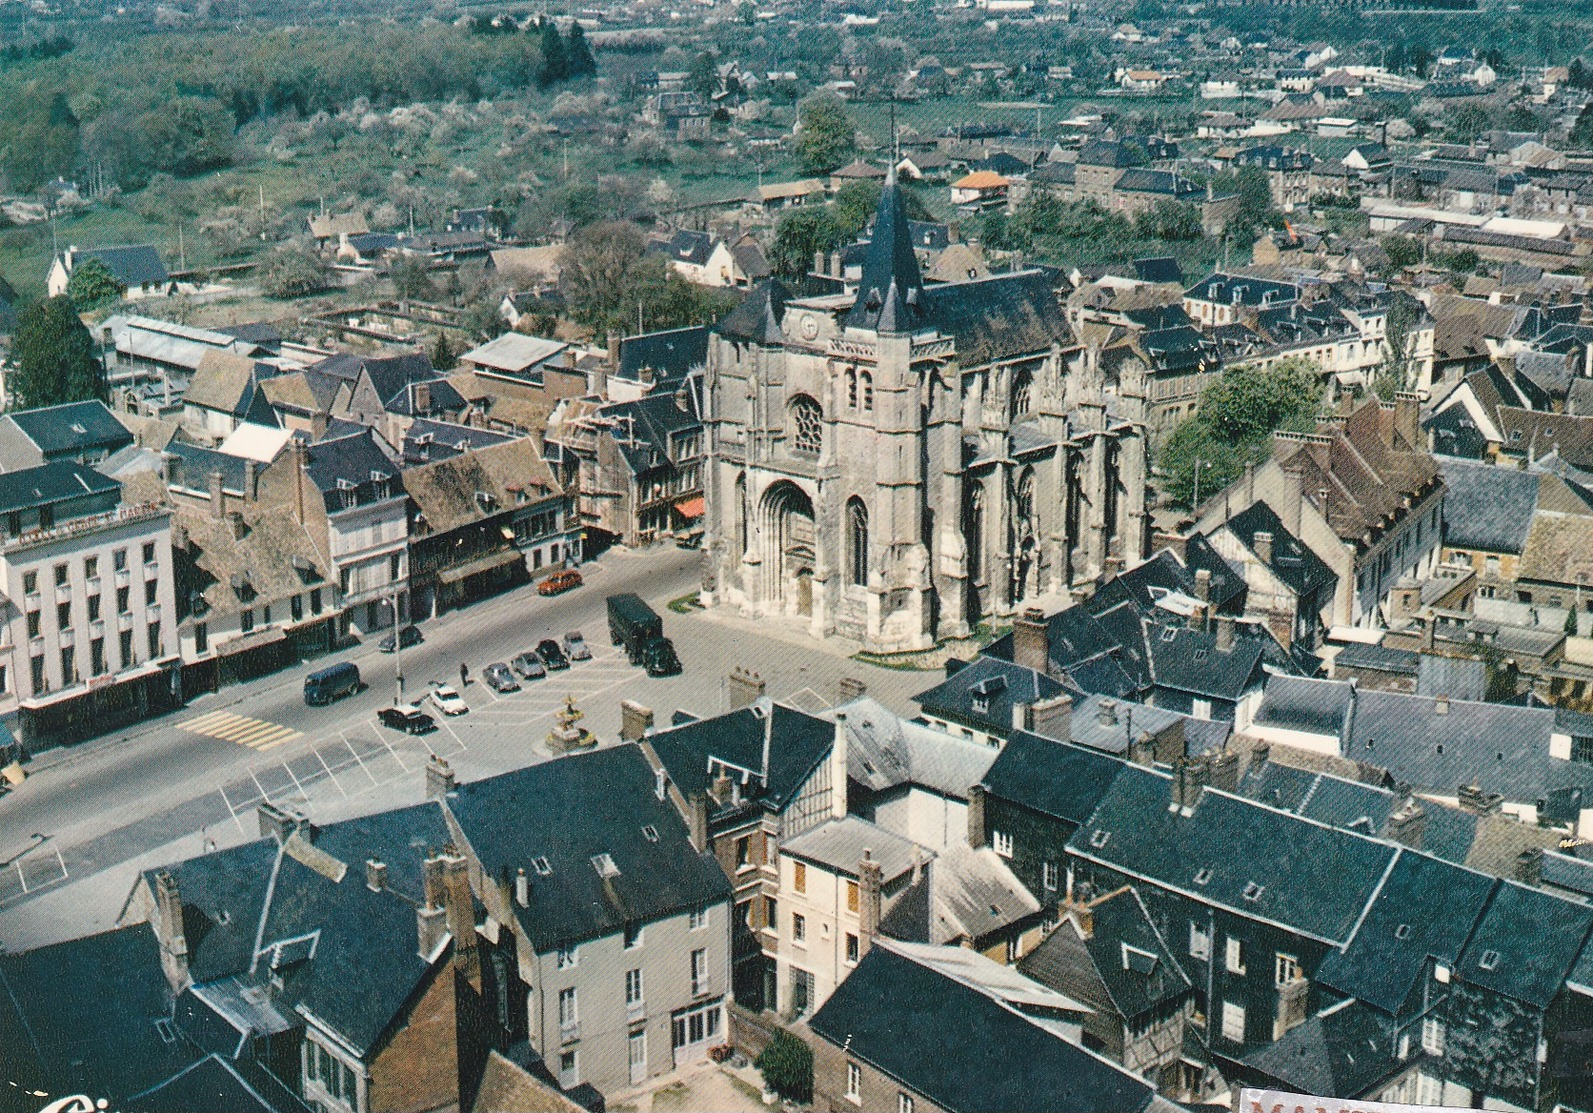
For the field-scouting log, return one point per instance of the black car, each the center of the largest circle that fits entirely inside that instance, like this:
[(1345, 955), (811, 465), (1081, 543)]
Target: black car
[(552, 655), (500, 678), (408, 636), (408, 718)]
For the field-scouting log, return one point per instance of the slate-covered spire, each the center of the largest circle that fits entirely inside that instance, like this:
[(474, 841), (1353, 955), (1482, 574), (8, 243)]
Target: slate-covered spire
[(891, 296)]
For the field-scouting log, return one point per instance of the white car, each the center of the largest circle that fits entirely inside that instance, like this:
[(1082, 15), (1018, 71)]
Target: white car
[(446, 698)]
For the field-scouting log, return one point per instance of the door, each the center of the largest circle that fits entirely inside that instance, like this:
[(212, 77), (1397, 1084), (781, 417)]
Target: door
[(804, 592), (637, 1047)]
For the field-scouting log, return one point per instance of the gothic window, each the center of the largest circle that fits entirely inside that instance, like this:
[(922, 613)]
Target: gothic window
[(807, 425), (868, 391), (1022, 389), (851, 387), (741, 513), (975, 533), (1025, 506), (857, 542)]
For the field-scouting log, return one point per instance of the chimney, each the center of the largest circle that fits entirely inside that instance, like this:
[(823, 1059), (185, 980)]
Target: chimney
[(699, 822), (1529, 866), (1106, 712), (1293, 499), (1031, 641), (1223, 770), (1406, 418), (1175, 542), (720, 789), (277, 822), (218, 498), (954, 665), (635, 720), (235, 525), (745, 688), (1263, 546), (1474, 800), (522, 888), (251, 481), (375, 875), (431, 916), (818, 262), (1143, 749), (836, 270), (1225, 633), (461, 912), (1053, 718), (1441, 705), (1259, 753), (1083, 914), (1407, 824), (299, 460), (1203, 584), (170, 931), (439, 778), (852, 688), (1189, 782), (838, 763), (868, 902), (976, 816)]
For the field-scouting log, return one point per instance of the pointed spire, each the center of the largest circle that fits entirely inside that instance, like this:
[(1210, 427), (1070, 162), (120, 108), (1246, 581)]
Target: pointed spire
[(891, 296)]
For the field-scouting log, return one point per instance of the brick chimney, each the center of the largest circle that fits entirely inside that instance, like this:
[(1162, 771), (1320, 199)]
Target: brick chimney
[(1407, 824), (236, 525), (699, 822), (218, 497), (1225, 633), (1473, 799), (976, 816), (431, 915), (279, 823), (461, 911), (1031, 641), (868, 902), (375, 875), (1053, 718), (1529, 866), (1407, 410), (1223, 770), (1262, 543), (852, 688), (251, 481), (170, 931), (745, 688), (635, 720), (299, 461), (1189, 782), (1203, 585), (439, 778)]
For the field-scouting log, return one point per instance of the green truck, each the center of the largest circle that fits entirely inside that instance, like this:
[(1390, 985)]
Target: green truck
[(636, 626)]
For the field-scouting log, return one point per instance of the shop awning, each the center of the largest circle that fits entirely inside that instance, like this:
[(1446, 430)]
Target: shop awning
[(252, 640), (691, 507), (489, 563)]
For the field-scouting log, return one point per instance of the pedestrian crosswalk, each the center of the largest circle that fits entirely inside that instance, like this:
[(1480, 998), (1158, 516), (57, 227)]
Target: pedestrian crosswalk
[(256, 734)]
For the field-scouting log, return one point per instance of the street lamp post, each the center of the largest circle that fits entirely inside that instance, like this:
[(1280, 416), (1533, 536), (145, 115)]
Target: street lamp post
[(398, 652), (1194, 504)]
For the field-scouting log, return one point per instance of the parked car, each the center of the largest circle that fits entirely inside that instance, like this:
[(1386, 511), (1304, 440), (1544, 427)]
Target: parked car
[(333, 682), (500, 678), (529, 665), (552, 656), (403, 639), (560, 582), (407, 717), (575, 646), (446, 698)]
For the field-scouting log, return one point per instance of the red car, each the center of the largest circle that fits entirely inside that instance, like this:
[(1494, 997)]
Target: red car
[(560, 582)]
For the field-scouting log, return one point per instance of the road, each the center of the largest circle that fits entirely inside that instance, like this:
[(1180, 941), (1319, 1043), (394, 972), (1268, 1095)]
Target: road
[(191, 780)]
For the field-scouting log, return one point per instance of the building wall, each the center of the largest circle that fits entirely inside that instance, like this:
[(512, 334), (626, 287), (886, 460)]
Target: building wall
[(1036, 840), (829, 921), (418, 1069), (877, 1091)]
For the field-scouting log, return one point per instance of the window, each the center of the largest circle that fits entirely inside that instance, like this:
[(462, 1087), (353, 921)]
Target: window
[(569, 1069), (91, 568), (61, 572), (867, 382), (333, 1076), (743, 853), (1233, 1022), (633, 936), (1254, 891), (807, 426), (699, 917), (854, 1082), (1489, 960), (633, 987), (904, 1103), (856, 542), (315, 600), (568, 1017), (30, 581), (123, 600), (852, 949), (851, 897), (97, 657), (851, 387), (393, 566), (1235, 956), (1002, 841), (39, 684), (68, 666), (1203, 876), (33, 624), (94, 608), (1099, 839), (153, 632), (1012, 949), (1432, 1035), (799, 877), (151, 592), (119, 560), (63, 616), (569, 958), (799, 928), (695, 1026), (201, 637), (149, 552), (246, 621), (1022, 389), (1199, 942), (125, 643), (1049, 876), (1286, 969), (699, 971)]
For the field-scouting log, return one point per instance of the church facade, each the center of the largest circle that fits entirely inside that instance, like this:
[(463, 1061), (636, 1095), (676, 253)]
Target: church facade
[(893, 465)]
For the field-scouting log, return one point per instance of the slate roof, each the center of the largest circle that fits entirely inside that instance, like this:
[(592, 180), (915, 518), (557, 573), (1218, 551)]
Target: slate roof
[(1104, 723), (669, 355), (355, 459), (1529, 941), (1162, 268), (1425, 910), (757, 316), (839, 845), (798, 742), (983, 693), (890, 295), (79, 1017), (1134, 983), (1307, 704), (1488, 508), (1342, 1052), (71, 428), (1293, 562), (1313, 878), (586, 805), (133, 266), (219, 1084), (1001, 316), (642, 428), (1242, 289), (55, 482), (1380, 658), (1190, 661), (924, 1029), (1053, 778), (885, 751)]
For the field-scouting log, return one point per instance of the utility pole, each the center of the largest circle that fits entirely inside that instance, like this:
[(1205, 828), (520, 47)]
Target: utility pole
[(262, 213), (182, 250)]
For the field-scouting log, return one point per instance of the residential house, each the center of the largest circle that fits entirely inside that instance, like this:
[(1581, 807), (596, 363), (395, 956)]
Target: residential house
[(1219, 298), (1488, 518), (84, 557), (612, 919), (1288, 171), (986, 699), (983, 189), (302, 400), (224, 393), (331, 228), (1287, 584), (528, 365), (656, 362), (386, 393), (902, 1030), (82, 432), (784, 195), (137, 268)]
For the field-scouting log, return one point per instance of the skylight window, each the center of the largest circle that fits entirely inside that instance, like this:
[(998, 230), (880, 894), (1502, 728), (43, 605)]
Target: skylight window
[(1201, 654), (1402, 932), (650, 833), (1489, 961), (1169, 634), (1202, 876), (1254, 891), (1098, 838), (604, 865), (541, 866)]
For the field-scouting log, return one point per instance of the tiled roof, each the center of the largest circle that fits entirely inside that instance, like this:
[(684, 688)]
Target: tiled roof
[(1487, 508)]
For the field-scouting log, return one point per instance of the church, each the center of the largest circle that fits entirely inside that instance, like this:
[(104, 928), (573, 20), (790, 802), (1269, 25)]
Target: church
[(895, 464)]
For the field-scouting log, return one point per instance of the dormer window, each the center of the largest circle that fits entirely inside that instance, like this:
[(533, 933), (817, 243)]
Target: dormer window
[(1203, 876), (1402, 931), (541, 866), (1254, 891), (1489, 960), (604, 865), (650, 833), (1099, 839)]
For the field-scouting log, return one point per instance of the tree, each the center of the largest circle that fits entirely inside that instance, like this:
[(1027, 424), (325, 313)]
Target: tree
[(442, 353), (787, 1066), (292, 272), (1570, 620), (412, 279), (747, 12), (580, 62), (826, 136), (1403, 251), (1170, 220), (54, 357), (555, 65), (799, 235), (1582, 130), (703, 77), (604, 273), (92, 285), (1468, 122)]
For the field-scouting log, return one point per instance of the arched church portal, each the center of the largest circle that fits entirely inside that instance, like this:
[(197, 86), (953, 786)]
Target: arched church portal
[(786, 515)]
